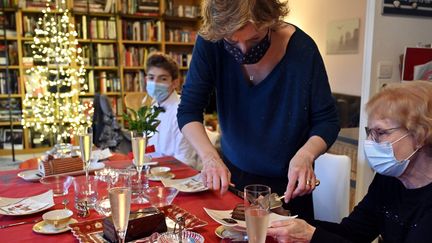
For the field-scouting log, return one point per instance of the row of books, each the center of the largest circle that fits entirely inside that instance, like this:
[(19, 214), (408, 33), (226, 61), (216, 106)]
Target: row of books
[(146, 30), (182, 59), (136, 56), (105, 55), (9, 54), (95, 6), (100, 28), (7, 24), (102, 82), (140, 7), (134, 81), (9, 82), (41, 4), (180, 35), (10, 109), (8, 3)]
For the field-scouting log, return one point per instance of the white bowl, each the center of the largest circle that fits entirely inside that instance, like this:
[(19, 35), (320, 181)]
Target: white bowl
[(58, 218), (159, 170)]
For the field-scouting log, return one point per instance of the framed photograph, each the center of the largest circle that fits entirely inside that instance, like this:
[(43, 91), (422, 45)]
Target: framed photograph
[(419, 8), (15, 136), (343, 36)]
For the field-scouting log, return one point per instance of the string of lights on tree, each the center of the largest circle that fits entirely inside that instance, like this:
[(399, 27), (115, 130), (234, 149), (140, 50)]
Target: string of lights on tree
[(56, 79)]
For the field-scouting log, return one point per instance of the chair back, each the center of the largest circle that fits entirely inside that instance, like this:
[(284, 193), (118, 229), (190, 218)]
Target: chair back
[(331, 197), (136, 100)]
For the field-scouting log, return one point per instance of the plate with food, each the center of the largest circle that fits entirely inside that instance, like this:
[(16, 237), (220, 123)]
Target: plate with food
[(236, 219), (190, 184), (35, 175)]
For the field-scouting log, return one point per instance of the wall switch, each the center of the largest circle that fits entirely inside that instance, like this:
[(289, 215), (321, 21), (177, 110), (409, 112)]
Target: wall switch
[(385, 69)]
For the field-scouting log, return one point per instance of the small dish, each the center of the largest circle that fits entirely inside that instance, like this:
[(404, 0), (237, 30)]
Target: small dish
[(43, 228), (224, 232), (190, 184), (159, 170), (58, 218), (30, 175), (159, 177)]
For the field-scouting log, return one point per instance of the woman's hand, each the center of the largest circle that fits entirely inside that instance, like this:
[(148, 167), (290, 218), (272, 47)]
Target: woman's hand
[(215, 175), (292, 230), (301, 176)]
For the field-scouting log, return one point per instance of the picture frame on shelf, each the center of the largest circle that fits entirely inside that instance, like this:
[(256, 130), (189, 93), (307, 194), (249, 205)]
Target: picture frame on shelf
[(14, 136), (417, 8)]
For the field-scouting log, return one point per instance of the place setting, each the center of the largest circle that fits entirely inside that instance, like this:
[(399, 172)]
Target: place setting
[(252, 217)]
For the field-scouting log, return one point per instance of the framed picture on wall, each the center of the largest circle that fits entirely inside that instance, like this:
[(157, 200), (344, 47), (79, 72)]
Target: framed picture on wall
[(419, 8), (343, 36)]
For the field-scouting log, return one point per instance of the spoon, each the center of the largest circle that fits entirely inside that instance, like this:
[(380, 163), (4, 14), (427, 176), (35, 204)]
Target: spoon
[(65, 202)]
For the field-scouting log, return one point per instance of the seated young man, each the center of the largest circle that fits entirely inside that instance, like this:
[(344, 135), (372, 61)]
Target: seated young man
[(161, 82)]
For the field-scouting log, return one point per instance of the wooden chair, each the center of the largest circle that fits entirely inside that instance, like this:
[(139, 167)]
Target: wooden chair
[(136, 100)]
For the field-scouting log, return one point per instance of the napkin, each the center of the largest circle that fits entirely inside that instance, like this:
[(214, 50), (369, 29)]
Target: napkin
[(60, 166)]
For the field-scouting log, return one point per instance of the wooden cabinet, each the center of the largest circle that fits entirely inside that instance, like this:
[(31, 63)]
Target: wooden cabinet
[(116, 37)]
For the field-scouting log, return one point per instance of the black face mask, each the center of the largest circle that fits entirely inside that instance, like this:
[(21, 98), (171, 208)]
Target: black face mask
[(253, 55)]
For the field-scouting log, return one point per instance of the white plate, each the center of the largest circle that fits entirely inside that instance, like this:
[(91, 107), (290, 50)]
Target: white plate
[(44, 228), (190, 184), (34, 175), (26, 205), (159, 176), (219, 215)]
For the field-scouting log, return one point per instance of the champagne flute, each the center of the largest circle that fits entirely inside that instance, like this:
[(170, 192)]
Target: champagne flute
[(86, 142), (139, 143), (120, 201), (257, 212)]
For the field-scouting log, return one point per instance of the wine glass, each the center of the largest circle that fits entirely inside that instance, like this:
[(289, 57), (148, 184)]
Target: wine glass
[(85, 143), (139, 143), (257, 212), (120, 201)]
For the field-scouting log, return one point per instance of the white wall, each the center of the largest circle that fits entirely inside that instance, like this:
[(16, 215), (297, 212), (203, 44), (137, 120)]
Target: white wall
[(312, 16)]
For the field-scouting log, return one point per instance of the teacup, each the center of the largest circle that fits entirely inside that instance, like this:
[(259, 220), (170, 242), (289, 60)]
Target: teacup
[(58, 218)]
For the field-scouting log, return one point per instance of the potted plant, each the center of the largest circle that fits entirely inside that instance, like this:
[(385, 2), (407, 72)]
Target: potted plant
[(144, 120)]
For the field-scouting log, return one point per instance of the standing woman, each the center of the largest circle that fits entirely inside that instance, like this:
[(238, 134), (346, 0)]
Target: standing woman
[(274, 103)]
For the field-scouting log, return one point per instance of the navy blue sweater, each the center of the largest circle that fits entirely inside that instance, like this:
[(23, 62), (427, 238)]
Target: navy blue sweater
[(400, 215), (262, 125)]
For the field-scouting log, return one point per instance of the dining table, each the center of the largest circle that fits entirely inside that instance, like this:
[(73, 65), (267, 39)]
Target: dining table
[(15, 187)]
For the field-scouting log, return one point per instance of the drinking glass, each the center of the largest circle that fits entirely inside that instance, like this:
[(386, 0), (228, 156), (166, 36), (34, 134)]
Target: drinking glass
[(85, 143), (120, 201), (139, 143), (257, 211)]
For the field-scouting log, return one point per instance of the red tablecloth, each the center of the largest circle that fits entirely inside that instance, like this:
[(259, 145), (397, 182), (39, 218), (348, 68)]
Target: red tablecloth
[(13, 186)]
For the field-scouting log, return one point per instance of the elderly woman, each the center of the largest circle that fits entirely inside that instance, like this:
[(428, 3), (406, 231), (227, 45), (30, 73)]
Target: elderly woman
[(398, 205)]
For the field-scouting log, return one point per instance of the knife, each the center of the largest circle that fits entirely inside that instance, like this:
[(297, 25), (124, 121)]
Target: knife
[(20, 223)]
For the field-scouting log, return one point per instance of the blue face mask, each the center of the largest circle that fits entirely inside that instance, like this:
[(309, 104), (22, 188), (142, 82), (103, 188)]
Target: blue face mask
[(254, 55), (382, 159), (158, 91)]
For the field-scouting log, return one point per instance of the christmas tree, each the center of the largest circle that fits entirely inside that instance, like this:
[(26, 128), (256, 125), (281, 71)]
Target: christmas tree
[(56, 79)]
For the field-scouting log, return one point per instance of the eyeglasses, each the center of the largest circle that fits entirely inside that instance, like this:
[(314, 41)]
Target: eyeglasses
[(376, 133)]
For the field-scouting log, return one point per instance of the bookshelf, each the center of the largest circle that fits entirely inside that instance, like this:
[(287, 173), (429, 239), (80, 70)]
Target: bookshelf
[(116, 37)]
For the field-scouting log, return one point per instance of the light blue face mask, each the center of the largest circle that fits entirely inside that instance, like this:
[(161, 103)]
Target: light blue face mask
[(158, 91), (382, 159)]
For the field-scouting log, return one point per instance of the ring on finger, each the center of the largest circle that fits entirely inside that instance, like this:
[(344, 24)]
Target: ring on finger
[(308, 182)]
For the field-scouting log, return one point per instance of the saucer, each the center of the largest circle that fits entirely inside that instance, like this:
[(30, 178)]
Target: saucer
[(44, 228), (160, 176)]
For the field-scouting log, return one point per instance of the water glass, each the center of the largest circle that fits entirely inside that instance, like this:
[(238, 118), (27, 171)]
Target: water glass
[(85, 192), (257, 211)]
